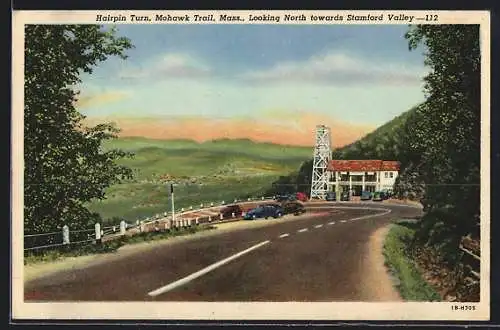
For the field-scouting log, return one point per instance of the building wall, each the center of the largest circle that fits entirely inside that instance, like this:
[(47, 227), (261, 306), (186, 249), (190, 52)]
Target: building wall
[(379, 180), (387, 179)]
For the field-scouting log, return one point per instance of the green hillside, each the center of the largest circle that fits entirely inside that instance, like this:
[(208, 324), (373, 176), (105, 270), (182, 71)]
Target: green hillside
[(203, 172)]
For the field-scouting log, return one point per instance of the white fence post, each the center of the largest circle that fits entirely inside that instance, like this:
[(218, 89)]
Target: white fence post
[(197, 221), (209, 218), (262, 198), (233, 214), (191, 207), (221, 216), (98, 232), (182, 209), (212, 204), (201, 205), (122, 228), (223, 203), (65, 232)]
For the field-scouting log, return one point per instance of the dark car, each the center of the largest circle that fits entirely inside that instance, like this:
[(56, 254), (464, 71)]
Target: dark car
[(378, 196), (270, 204), (344, 196), (294, 208), (228, 211), (386, 194), (281, 198), (331, 196), (366, 196), (264, 211)]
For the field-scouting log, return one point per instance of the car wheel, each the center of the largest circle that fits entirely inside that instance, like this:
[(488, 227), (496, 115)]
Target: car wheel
[(254, 217), (279, 215)]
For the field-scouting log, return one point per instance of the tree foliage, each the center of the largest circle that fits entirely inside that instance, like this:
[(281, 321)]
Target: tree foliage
[(65, 166), (443, 138)]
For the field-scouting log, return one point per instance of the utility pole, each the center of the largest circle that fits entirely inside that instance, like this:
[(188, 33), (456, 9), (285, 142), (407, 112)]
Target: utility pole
[(172, 197)]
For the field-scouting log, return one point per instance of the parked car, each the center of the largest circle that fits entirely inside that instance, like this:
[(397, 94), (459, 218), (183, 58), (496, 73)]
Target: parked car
[(227, 212), (264, 211), (295, 208), (282, 198), (345, 196), (302, 197), (377, 196), (386, 194), (331, 196), (270, 204), (366, 196)]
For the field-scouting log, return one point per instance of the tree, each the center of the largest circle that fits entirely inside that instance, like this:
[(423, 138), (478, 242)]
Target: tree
[(65, 165), (443, 139)]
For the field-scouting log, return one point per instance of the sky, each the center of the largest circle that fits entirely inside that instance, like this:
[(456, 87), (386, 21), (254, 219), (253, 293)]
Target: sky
[(270, 83)]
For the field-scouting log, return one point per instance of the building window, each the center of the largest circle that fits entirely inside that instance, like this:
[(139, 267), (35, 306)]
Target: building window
[(386, 175), (392, 175)]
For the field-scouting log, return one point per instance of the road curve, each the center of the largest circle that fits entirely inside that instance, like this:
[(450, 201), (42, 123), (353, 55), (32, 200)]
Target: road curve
[(319, 256)]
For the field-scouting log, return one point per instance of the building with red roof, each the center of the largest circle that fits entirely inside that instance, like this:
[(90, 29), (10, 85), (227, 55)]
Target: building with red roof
[(356, 176)]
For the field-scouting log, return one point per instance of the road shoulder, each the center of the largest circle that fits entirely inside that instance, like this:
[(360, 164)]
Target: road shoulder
[(378, 285)]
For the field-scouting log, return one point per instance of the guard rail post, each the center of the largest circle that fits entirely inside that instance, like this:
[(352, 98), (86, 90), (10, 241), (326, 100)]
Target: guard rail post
[(65, 233), (122, 228), (98, 233)]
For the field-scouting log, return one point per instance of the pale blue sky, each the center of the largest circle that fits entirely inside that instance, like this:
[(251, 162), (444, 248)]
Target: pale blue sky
[(363, 74)]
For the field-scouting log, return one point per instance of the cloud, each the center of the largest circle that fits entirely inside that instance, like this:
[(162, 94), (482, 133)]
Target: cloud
[(337, 69), (100, 99), (169, 66)]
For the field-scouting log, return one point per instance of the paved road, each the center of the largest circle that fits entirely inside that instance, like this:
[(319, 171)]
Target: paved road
[(315, 257)]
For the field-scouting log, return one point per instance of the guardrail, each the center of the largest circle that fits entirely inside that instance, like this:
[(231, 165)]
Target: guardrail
[(183, 218), (471, 261)]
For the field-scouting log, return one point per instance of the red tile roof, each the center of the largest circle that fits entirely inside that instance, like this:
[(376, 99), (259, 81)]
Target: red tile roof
[(363, 165)]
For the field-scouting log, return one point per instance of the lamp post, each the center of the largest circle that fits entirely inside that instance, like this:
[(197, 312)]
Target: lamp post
[(172, 198)]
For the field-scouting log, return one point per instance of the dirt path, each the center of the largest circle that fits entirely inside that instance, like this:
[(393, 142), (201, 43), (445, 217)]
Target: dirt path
[(378, 285)]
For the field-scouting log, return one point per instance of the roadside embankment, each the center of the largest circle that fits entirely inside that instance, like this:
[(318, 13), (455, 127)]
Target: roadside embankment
[(407, 278)]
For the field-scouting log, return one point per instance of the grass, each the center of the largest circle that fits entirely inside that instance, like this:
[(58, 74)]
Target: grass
[(203, 172), (109, 246), (410, 282)]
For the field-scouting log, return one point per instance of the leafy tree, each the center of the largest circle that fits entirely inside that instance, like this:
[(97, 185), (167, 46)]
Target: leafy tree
[(65, 166), (443, 138)]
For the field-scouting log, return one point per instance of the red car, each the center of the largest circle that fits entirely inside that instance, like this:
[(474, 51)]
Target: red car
[(301, 197)]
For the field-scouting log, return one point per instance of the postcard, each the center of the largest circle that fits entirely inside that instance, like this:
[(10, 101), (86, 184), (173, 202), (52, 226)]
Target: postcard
[(251, 165)]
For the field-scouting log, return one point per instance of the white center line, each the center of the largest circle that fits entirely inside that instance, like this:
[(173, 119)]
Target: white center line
[(302, 230), (203, 271), (331, 223), (284, 235), (318, 226), (342, 220)]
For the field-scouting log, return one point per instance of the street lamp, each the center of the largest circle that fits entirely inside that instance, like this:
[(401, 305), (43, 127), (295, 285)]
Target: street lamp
[(172, 198)]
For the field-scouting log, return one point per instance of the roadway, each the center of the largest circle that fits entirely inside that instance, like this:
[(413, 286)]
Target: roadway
[(318, 256)]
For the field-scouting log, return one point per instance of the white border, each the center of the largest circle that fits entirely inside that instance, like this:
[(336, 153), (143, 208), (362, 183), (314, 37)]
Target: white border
[(258, 310)]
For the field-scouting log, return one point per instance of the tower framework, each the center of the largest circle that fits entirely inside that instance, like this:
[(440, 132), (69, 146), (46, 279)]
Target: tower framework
[(322, 156)]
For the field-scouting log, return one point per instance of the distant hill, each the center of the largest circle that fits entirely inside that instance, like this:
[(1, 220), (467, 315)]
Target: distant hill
[(211, 171), (233, 146), (383, 143)]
